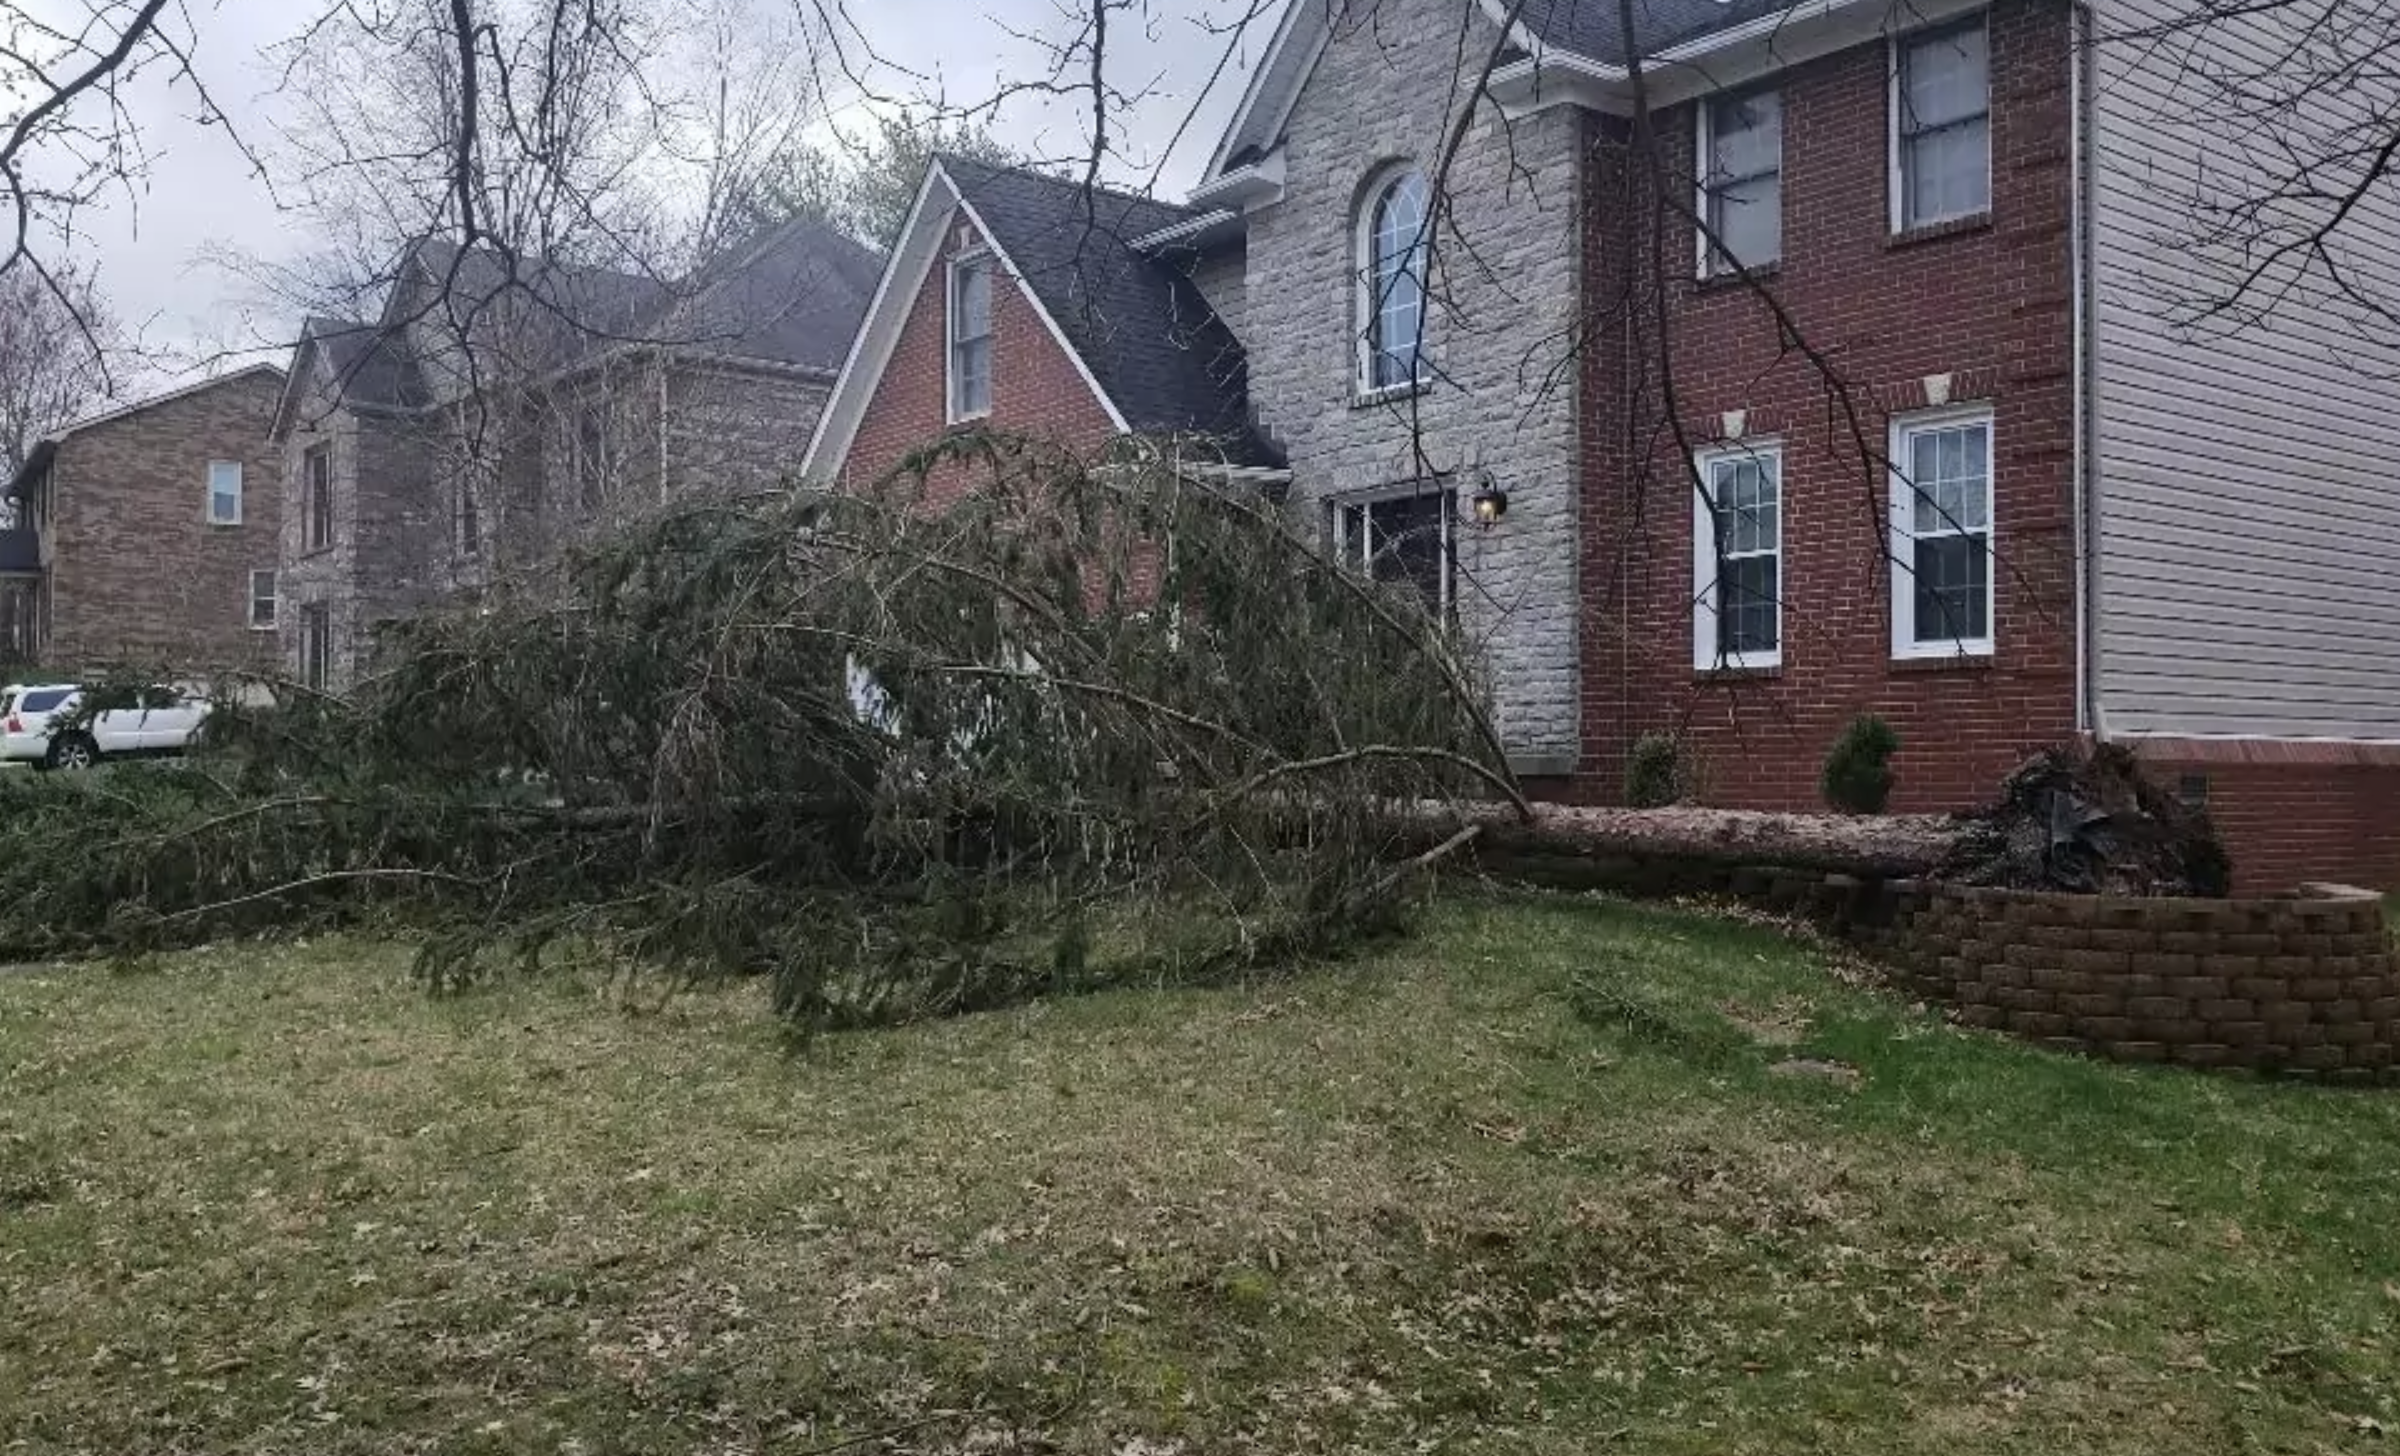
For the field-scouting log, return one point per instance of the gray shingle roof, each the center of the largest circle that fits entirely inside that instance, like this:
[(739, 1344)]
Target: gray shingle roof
[(1596, 30), (368, 364), (1154, 344), (795, 294)]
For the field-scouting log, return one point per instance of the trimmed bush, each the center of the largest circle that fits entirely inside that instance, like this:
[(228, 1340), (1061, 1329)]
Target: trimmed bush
[(1858, 772), (1654, 772)]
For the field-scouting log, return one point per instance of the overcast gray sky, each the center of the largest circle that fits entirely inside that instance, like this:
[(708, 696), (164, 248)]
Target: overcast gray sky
[(200, 195)]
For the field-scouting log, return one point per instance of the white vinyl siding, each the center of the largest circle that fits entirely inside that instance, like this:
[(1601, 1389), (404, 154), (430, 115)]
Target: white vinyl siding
[(2247, 542), (1737, 558), (1941, 124)]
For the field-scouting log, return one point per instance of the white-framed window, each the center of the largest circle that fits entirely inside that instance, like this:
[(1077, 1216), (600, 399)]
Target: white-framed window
[(1942, 552), (224, 492), (1741, 180), (970, 337), (1737, 556), (262, 599), (1408, 534), (1941, 108), (1393, 246)]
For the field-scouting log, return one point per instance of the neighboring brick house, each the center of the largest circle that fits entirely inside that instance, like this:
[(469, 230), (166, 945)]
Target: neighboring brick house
[(486, 418), (149, 534), (1960, 465)]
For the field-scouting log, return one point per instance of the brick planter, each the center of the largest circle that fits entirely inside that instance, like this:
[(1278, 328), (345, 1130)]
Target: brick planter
[(2308, 986)]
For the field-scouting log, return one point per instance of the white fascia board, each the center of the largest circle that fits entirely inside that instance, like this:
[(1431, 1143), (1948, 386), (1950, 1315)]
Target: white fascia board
[(1253, 186), (862, 368)]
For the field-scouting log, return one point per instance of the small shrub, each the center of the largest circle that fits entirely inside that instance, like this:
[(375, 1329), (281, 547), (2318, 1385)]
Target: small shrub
[(1858, 772), (1655, 775)]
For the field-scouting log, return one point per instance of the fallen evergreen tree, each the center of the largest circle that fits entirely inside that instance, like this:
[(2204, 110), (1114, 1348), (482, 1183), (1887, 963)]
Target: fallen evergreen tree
[(1003, 722)]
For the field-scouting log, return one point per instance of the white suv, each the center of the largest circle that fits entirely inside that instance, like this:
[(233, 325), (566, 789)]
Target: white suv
[(165, 721)]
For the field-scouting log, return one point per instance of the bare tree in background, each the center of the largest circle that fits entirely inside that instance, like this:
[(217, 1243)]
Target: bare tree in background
[(53, 366)]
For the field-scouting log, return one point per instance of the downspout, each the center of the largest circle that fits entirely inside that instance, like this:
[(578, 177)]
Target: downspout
[(660, 363), (2080, 95)]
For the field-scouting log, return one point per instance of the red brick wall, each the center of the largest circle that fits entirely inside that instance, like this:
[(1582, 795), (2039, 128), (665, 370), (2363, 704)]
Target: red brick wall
[(2290, 813), (1036, 389), (137, 573), (1988, 303)]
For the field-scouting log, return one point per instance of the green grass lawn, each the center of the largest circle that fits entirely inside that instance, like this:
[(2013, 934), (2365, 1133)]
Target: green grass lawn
[(1526, 1184)]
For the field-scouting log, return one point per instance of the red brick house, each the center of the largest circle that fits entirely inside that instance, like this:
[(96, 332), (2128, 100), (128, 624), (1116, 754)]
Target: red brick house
[(1888, 403), (149, 533)]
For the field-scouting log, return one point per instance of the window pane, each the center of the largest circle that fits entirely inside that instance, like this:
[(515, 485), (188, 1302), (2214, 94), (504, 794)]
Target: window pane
[(224, 490), (1943, 78), (1746, 596), (1747, 218), (975, 376), (1745, 135), (1953, 588), (1949, 486), (1404, 539), (973, 318), (1396, 282), (1948, 172)]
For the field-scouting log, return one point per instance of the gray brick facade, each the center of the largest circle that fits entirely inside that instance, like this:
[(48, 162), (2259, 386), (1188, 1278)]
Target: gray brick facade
[(1499, 337)]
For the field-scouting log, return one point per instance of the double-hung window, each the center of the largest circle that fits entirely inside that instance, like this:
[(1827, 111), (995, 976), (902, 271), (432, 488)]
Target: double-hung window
[(316, 484), (1741, 181), (1942, 534), (1402, 538), (262, 599), (1941, 124), (224, 492), (1737, 558), (970, 337)]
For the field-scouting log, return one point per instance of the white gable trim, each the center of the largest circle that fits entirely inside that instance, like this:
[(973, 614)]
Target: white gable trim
[(904, 276), (1291, 57)]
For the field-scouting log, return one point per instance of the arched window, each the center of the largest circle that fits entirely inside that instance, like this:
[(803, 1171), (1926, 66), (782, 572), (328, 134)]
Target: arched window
[(1392, 249)]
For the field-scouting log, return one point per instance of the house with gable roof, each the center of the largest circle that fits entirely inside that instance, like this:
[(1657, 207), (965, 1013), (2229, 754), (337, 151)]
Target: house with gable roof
[(494, 411), (1944, 442)]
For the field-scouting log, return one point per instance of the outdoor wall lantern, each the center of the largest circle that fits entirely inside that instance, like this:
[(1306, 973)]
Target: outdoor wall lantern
[(1490, 502)]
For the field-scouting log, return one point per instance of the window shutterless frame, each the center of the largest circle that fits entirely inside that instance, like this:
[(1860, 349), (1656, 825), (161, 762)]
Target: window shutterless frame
[(1738, 167), (1945, 555), (1406, 532), (967, 355), (224, 492), (1912, 133), (1737, 557), (262, 600), (1393, 249)]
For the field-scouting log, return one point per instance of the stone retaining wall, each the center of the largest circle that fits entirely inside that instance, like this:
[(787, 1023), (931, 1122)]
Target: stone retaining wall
[(2306, 986), (2298, 985)]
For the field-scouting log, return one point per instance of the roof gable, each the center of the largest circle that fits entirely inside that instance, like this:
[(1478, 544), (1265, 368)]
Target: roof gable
[(1153, 353)]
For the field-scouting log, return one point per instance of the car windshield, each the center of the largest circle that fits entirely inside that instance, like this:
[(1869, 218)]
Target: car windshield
[(44, 700)]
